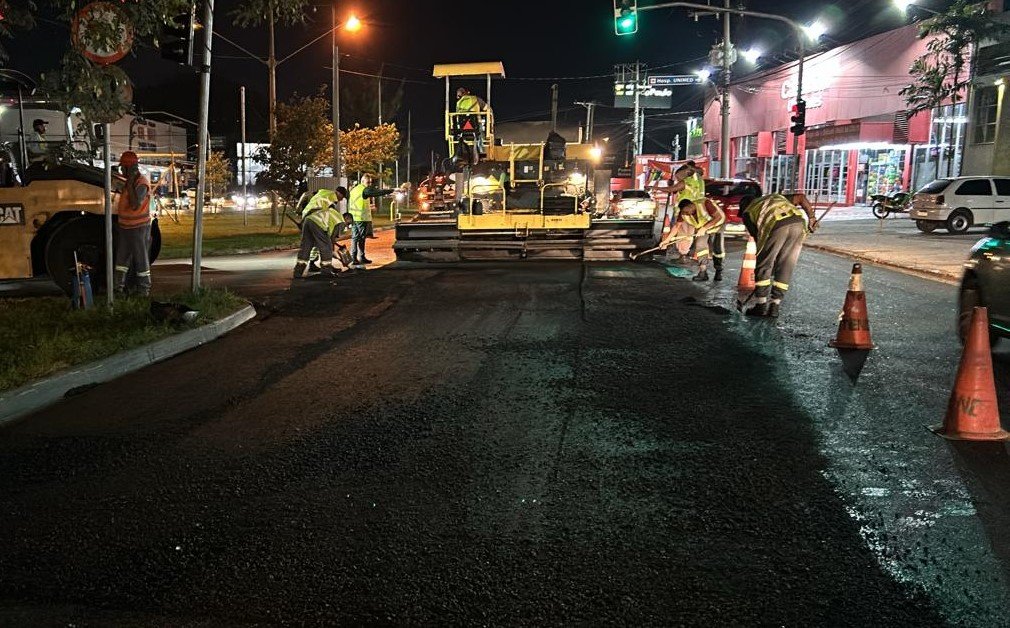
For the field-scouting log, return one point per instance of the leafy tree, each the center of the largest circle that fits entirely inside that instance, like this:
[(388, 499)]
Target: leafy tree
[(364, 149), (941, 74), (303, 145), (253, 13), (219, 174)]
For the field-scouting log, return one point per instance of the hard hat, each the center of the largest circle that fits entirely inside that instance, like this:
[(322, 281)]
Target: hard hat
[(129, 158)]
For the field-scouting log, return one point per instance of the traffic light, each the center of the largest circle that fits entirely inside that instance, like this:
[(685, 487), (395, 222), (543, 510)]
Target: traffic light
[(177, 38), (799, 117), (625, 17)]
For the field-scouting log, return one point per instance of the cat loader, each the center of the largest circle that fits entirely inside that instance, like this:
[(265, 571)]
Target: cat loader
[(50, 211), (515, 200)]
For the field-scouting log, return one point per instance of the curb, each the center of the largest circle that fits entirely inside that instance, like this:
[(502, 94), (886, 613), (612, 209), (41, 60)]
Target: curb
[(31, 397), (926, 273), (269, 249)]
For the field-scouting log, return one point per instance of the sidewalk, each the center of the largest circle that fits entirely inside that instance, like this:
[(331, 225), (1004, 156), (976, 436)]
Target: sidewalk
[(897, 243)]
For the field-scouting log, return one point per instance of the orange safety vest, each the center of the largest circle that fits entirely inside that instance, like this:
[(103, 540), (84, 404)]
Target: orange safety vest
[(131, 216)]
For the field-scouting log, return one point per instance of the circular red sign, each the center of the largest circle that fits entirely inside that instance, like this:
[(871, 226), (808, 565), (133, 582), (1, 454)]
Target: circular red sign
[(89, 29)]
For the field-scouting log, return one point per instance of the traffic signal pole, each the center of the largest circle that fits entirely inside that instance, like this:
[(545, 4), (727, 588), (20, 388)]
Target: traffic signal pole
[(202, 142), (726, 10)]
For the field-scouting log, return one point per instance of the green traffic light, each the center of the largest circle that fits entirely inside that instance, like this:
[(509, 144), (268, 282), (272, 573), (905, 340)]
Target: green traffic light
[(627, 24)]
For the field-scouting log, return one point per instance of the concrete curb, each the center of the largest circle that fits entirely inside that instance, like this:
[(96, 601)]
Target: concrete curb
[(31, 397), (268, 249), (927, 273)]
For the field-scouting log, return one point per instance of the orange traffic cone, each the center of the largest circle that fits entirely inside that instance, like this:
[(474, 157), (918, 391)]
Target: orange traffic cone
[(973, 411), (746, 281), (854, 322)]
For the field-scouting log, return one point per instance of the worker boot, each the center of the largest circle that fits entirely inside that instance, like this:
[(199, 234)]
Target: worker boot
[(773, 310), (701, 276), (718, 275), (313, 268), (327, 271), (761, 309), (299, 270)]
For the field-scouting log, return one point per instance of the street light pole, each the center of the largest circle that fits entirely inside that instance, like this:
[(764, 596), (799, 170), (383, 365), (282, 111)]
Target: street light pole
[(203, 142), (335, 100), (727, 64)]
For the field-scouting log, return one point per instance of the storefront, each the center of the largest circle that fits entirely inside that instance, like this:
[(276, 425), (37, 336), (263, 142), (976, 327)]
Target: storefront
[(859, 140)]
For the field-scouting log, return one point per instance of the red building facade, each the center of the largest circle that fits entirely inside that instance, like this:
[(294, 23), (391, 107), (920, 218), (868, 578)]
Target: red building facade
[(859, 140)]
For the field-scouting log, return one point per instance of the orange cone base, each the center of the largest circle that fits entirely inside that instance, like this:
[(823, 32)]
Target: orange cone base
[(997, 435)]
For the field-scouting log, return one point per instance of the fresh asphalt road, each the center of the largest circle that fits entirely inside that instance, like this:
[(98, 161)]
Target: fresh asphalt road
[(523, 443)]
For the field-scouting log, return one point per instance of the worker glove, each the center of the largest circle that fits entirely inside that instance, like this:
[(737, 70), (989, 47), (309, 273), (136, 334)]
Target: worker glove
[(814, 225)]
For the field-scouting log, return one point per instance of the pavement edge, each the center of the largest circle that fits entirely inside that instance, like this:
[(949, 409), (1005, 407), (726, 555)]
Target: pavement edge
[(925, 273), (29, 398)]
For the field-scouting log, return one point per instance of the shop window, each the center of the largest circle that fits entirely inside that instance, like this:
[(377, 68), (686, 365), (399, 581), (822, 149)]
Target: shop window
[(984, 114)]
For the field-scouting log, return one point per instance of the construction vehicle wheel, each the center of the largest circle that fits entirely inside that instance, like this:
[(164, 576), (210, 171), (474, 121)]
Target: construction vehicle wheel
[(85, 236)]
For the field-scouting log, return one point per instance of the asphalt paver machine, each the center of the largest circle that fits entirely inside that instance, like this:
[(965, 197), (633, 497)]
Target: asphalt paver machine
[(514, 200)]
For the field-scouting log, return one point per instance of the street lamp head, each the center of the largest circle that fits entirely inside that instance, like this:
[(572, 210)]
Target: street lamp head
[(903, 4), (751, 55), (352, 24), (704, 74), (815, 30)]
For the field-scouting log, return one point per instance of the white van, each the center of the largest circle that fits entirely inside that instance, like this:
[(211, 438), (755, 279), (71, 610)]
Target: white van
[(960, 203)]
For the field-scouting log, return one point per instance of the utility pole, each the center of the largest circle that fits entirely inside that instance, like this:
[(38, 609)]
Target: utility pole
[(590, 107), (410, 149), (245, 175), (203, 140), (728, 57), (638, 108), (379, 80), (107, 156), (272, 71)]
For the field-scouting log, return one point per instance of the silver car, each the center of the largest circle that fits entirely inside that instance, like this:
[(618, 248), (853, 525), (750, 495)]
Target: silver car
[(986, 281)]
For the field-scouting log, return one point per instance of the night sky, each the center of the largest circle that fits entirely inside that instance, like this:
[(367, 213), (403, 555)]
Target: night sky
[(537, 41)]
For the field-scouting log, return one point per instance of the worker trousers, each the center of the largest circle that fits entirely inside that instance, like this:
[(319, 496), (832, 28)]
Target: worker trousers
[(358, 243), (313, 237), (776, 261), (132, 259), (710, 245)]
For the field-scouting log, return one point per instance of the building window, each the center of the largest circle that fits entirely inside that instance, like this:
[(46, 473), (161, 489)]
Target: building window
[(985, 114)]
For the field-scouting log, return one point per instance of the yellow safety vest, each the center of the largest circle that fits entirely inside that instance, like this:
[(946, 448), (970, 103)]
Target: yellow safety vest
[(694, 188), (467, 104), (702, 217), (358, 205), (320, 200), (768, 211)]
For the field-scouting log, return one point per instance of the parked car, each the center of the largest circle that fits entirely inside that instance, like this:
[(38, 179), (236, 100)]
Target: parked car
[(633, 204), (985, 283), (960, 203), (729, 193)]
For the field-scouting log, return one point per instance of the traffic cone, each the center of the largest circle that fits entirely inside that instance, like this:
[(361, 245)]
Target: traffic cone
[(854, 322), (746, 281), (973, 410)]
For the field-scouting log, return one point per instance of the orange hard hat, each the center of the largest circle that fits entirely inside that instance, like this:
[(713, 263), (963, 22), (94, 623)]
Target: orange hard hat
[(129, 158)]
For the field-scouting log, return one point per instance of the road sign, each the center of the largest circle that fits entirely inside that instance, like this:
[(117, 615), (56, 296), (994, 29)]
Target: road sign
[(675, 79)]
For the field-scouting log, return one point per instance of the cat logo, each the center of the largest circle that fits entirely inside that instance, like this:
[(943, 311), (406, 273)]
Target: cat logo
[(13, 214)]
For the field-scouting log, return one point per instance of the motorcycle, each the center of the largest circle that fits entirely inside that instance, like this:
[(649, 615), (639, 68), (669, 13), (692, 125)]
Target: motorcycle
[(884, 205)]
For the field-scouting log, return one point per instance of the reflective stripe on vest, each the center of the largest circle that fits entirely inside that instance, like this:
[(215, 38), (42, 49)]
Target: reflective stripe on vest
[(702, 216), (130, 217), (768, 211), (358, 204)]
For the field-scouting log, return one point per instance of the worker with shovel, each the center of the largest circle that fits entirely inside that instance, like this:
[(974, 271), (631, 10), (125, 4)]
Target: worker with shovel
[(708, 221), (779, 226)]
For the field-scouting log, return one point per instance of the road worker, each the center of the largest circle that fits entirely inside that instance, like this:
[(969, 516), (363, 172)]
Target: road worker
[(38, 145), (322, 220), (779, 226), (133, 229), (321, 199), (686, 184), (471, 103), (708, 221), (359, 204)]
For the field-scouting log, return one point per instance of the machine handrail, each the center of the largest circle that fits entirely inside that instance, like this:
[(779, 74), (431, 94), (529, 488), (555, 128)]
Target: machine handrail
[(575, 199)]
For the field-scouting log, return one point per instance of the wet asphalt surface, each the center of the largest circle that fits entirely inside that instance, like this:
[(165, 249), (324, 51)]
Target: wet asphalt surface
[(533, 443)]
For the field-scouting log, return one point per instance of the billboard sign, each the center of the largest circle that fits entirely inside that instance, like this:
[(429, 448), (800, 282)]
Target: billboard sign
[(675, 79), (650, 97)]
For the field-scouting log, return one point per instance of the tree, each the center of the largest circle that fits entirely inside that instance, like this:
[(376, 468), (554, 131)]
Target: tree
[(302, 146), (219, 174), (940, 74), (364, 149)]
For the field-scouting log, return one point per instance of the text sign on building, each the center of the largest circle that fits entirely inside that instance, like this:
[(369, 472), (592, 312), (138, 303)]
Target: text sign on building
[(649, 96), (675, 79), (13, 214)]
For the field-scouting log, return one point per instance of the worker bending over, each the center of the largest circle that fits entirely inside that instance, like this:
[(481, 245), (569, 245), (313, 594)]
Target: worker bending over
[(708, 221), (322, 222), (779, 227)]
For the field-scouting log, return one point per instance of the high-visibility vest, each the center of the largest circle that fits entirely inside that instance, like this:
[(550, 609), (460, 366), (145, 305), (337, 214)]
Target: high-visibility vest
[(320, 200), (130, 216), (358, 205), (702, 216), (468, 103), (694, 188), (327, 219), (768, 211)]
